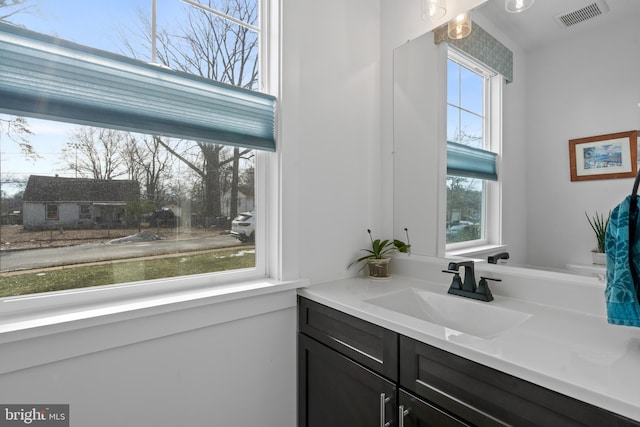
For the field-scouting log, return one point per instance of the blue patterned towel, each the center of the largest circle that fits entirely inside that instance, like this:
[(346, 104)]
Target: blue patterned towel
[(621, 296)]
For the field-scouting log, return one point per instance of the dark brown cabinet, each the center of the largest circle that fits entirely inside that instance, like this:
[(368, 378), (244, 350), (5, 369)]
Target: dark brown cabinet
[(484, 396), (416, 412), (354, 373), (336, 391), (347, 370)]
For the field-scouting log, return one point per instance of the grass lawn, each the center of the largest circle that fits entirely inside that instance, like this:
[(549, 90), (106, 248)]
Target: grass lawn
[(71, 277)]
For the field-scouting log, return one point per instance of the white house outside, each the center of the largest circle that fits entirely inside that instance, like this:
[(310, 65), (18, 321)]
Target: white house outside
[(53, 202), (245, 203)]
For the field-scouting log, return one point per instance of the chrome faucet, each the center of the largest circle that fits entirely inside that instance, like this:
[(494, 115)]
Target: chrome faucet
[(468, 288)]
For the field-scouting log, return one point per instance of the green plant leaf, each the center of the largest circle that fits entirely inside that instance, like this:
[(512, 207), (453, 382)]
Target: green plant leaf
[(599, 226), (381, 248)]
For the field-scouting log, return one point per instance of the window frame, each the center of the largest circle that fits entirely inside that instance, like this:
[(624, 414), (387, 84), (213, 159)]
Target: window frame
[(51, 212), (77, 304), (85, 211), (492, 141)]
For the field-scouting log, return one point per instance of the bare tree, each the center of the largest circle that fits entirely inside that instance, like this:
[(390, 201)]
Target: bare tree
[(247, 179), (95, 153), (16, 128), (215, 48), (10, 8), (156, 163)]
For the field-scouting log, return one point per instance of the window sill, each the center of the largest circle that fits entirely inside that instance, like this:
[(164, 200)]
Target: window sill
[(478, 253), (35, 337)]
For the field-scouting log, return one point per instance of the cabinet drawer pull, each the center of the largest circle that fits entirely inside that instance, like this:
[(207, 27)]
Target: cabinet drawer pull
[(401, 414), (383, 401)]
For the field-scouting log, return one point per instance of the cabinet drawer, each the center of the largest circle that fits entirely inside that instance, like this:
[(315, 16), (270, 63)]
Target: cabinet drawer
[(487, 397), (370, 345)]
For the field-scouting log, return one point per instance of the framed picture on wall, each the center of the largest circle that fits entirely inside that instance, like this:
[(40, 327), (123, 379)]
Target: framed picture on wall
[(604, 156)]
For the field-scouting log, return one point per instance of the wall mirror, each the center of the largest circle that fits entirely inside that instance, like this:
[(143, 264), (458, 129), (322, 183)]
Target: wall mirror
[(570, 81)]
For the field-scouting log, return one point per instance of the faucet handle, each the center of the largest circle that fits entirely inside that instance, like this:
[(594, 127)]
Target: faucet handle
[(483, 287), (456, 283)]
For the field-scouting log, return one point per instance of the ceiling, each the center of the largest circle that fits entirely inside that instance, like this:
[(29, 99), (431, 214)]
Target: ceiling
[(536, 26)]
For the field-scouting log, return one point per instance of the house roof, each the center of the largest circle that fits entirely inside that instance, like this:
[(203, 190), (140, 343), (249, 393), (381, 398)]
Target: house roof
[(58, 189)]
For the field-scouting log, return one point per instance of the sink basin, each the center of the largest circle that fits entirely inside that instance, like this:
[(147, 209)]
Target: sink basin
[(480, 319)]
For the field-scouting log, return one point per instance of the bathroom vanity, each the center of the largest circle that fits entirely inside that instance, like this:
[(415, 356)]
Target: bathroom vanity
[(404, 353)]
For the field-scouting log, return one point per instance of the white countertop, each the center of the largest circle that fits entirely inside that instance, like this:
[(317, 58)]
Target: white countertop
[(570, 351)]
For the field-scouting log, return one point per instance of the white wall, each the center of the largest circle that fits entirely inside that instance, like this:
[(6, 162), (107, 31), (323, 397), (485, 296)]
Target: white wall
[(330, 134), (581, 87), (33, 214), (230, 363), (419, 157)]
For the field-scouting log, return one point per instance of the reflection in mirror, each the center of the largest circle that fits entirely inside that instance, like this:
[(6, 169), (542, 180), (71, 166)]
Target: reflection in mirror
[(569, 82), (467, 126)]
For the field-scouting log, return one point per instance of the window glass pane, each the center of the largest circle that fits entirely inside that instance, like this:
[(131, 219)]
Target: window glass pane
[(471, 89), (52, 211), (464, 128), (453, 83), (187, 38), (85, 211), (465, 209), (244, 10), (471, 132), (214, 47), (453, 124), (162, 207), (466, 215), (106, 25)]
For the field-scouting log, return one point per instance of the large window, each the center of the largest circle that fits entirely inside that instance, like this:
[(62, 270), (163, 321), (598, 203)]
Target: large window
[(161, 205), (471, 138)]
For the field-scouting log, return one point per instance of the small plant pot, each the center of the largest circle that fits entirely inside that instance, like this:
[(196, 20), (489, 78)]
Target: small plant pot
[(599, 258), (379, 268)]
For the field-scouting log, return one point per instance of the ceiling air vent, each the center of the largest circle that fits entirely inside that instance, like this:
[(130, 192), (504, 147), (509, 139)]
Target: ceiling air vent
[(573, 17)]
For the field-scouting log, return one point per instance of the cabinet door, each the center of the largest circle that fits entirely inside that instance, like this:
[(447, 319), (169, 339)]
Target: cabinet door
[(335, 391), (419, 413)]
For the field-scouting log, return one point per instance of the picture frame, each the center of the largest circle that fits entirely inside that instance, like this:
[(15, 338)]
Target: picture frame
[(609, 156)]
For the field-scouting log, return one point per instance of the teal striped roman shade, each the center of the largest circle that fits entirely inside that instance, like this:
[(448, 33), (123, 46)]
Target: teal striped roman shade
[(45, 77), (471, 162)]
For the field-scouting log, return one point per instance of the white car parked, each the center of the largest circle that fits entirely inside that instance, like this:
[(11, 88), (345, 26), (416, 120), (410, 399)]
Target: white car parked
[(243, 227)]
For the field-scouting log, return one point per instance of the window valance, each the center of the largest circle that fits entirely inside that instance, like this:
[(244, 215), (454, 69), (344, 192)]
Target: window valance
[(483, 47)]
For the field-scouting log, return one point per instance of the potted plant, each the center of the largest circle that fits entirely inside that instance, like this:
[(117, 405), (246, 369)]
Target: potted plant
[(599, 224), (377, 257)]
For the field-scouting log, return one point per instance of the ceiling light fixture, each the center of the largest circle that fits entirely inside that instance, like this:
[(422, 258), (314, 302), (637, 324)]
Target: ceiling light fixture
[(517, 6), (435, 9), (460, 26)]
